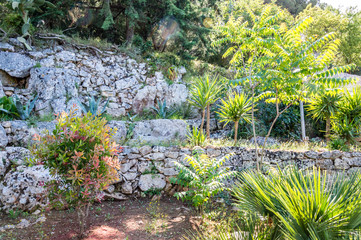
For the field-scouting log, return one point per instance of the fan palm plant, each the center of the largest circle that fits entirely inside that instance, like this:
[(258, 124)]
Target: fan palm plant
[(324, 106), (235, 108), (305, 205)]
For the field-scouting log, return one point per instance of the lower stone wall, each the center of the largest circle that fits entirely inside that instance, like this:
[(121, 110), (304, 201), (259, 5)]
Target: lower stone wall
[(149, 168)]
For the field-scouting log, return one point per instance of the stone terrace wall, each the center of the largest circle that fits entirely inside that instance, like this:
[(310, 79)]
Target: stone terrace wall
[(147, 168), (63, 77)]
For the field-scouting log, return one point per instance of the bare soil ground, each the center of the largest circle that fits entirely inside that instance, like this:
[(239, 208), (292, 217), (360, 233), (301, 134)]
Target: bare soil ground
[(137, 219)]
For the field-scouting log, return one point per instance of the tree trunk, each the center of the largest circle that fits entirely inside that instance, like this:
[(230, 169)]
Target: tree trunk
[(208, 121), (328, 129), (235, 131), (303, 128), (130, 32), (254, 131), (202, 123)]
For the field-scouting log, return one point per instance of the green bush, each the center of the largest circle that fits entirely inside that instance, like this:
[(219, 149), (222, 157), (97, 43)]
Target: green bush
[(303, 205), (82, 157), (196, 137), (203, 179), (8, 110), (12, 108)]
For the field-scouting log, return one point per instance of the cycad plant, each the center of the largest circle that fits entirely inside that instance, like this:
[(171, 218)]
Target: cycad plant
[(304, 205), (324, 106), (235, 108), (203, 179), (205, 92)]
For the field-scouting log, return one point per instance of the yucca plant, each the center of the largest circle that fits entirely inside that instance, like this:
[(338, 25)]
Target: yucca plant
[(304, 205), (324, 105), (196, 137), (235, 108), (93, 106), (204, 92), (203, 179)]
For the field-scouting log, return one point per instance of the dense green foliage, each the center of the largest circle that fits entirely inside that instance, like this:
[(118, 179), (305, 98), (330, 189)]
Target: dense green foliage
[(182, 30)]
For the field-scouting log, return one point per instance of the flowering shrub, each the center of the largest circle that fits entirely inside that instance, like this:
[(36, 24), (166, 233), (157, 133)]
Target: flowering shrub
[(83, 158)]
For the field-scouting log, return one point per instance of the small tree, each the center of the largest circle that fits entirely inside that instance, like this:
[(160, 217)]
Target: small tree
[(235, 108), (83, 160), (249, 51), (324, 106), (204, 178)]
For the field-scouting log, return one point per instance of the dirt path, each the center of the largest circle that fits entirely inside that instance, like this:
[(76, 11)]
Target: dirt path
[(138, 219)]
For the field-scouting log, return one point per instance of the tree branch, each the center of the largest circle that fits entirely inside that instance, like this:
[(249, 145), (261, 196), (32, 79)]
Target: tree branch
[(5, 34)]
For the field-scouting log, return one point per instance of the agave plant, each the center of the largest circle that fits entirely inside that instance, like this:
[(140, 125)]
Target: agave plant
[(93, 107), (304, 205), (25, 111), (235, 108), (196, 137), (204, 178), (163, 110)]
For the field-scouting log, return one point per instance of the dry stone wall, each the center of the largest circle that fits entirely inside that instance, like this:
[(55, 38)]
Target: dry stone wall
[(65, 76), (149, 168)]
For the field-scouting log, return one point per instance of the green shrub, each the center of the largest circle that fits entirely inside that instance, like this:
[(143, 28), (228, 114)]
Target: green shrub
[(83, 158), (203, 179), (196, 137), (303, 205), (339, 144), (346, 129), (8, 110)]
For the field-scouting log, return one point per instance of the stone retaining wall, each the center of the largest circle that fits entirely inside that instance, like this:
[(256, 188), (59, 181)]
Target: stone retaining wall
[(149, 168), (19, 133)]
